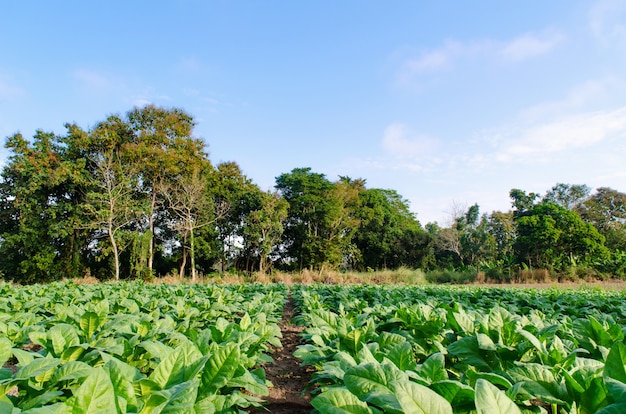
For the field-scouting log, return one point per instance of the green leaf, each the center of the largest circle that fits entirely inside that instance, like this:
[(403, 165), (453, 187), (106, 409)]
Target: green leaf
[(6, 406), (5, 350), (616, 389), (38, 367), (62, 336), (454, 392), (122, 377), (180, 365), (615, 364), (178, 399), (89, 323), (595, 397), (41, 400), (491, 400), (617, 408), (401, 355), (370, 382), (433, 369), (72, 370), (95, 396), (339, 401), (220, 368), (418, 399), (245, 322)]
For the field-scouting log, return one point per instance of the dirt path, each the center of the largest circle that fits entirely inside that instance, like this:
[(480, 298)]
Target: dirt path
[(289, 378)]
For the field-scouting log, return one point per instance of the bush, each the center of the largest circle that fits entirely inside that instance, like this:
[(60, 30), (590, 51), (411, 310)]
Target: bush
[(452, 276)]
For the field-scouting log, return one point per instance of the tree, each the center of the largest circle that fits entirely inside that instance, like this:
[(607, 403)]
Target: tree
[(231, 187), (263, 228), (191, 203), (552, 236), (40, 210), (521, 201), (389, 235), (113, 202), (162, 142), (606, 211), (567, 195), (317, 225)]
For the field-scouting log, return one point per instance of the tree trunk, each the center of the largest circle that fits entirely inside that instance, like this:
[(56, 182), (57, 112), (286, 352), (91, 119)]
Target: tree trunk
[(181, 273), (151, 226), (116, 257), (192, 255)]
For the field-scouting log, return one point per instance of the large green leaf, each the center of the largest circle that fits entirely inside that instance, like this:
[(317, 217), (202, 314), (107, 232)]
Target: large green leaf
[(63, 336), (339, 401), (5, 350), (615, 364), (219, 368), (371, 383), (123, 377), (433, 369), (418, 399), (89, 323), (71, 371), (491, 400), (455, 392), (180, 365), (401, 354), (95, 396), (38, 367), (178, 399)]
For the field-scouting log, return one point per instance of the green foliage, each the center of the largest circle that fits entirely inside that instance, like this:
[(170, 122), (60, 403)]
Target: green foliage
[(131, 347), (463, 349), (551, 236)]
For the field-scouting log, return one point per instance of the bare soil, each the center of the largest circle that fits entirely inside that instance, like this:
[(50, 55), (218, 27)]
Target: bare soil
[(289, 395)]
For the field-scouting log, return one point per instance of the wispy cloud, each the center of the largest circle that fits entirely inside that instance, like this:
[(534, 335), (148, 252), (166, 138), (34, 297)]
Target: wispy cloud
[(530, 45), (453, 53), (584, 95), (569, 133), (400, 142), (607, 21)]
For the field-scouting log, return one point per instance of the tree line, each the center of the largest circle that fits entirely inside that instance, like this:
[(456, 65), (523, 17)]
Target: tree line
[(136, 196)]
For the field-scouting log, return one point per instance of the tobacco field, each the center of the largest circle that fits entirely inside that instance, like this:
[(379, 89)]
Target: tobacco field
[(132, 347)]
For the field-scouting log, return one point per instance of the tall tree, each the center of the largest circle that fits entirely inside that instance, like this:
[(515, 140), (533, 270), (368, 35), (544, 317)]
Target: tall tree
[(113, 202), (162, 142), (263, 228), (521, 201), (567, 195), (551, 236), (39, 211), (389, 235), (606, 210), (316, 224), (194, 207)]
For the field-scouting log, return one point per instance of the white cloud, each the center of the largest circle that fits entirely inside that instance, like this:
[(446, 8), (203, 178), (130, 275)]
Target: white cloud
[(530, 45), (606, 20), (452, 52), (401, 143), (583, 95), (573, 132)]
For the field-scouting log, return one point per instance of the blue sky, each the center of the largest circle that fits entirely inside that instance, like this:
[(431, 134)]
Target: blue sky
[(450, 103)]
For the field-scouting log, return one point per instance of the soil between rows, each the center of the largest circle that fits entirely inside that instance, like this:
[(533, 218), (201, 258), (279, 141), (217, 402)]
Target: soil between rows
[(289, 393)]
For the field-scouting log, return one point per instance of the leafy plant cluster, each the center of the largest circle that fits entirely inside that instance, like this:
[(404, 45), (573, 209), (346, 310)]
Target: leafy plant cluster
[(463, 350), (135, 348), (136, 196)]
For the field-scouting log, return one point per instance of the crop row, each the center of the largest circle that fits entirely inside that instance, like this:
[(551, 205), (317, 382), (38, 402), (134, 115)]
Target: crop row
[(464, 350), (135, 348)]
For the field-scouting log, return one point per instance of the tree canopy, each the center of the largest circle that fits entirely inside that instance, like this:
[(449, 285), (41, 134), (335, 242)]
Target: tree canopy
[(136, 196)]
